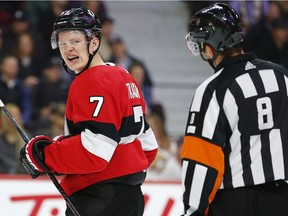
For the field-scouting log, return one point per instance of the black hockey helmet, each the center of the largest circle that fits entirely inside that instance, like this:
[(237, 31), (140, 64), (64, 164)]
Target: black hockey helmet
[(81, 19), (217, 25)]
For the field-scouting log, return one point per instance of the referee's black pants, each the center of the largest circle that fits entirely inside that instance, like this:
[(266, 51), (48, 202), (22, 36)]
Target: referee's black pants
[(108, 199), (263, 200)]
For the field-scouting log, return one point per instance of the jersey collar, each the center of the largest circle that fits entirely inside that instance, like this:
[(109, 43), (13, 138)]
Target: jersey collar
[(235, 59)]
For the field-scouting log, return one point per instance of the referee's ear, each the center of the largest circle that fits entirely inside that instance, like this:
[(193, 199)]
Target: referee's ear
[(207, 52)]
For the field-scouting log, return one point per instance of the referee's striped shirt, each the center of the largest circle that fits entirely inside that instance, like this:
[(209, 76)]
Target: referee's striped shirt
[(236, 132)]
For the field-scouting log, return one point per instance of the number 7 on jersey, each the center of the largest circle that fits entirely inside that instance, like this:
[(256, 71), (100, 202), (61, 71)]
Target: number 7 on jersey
[(99, 102)]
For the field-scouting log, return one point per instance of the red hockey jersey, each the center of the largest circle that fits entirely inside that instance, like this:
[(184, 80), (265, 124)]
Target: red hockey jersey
[(109, 136)]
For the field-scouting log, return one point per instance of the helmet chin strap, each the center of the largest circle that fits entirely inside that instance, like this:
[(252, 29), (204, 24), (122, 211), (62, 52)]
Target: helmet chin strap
[(211, 61), (64, 64)]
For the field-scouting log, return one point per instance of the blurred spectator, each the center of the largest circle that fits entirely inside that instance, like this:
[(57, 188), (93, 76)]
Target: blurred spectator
[(105, 49), (34, 10), (279, 50), (45, 24), (5, 19), (284, 8), (30, 62), (179, 142), (19, 25), (11, 89), (158, 109), (159, 128), (56, 119), (10, 141), (52, 124), (250, 11), (97, 7), (2, 49), (137, 71), (166, 165), (121, 56), (268, 38), (7, 10), (52, 88)]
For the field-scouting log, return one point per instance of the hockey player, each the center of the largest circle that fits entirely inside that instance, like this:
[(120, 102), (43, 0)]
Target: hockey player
[(107, 145), (235, 151)]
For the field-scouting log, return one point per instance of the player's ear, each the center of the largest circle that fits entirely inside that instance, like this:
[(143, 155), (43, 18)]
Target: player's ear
[(94, 43)]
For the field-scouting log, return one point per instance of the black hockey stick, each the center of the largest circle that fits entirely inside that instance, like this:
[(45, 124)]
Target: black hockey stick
[(34, 173)]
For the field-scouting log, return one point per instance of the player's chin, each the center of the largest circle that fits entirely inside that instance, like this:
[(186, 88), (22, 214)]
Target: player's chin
[(76, 68)]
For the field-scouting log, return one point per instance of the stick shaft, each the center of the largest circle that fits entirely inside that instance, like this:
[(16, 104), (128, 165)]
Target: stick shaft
[(16, 125)]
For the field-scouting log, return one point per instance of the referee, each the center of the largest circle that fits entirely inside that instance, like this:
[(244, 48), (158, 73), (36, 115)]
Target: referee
[(235, 150)]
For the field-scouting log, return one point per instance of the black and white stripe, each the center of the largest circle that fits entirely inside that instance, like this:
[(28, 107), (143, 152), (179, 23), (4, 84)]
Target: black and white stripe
[(254, 104), (258, 155)]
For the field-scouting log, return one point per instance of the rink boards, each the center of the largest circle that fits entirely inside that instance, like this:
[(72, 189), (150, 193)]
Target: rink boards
[(20, 195)]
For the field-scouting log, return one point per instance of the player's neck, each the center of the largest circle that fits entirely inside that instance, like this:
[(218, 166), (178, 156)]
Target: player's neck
[(97, 60)]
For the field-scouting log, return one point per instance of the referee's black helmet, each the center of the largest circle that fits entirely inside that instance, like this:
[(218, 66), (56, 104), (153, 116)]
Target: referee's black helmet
[(218, 25), (81, 19)]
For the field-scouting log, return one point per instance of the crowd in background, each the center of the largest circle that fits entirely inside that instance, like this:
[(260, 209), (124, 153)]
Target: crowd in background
[(34, 85)]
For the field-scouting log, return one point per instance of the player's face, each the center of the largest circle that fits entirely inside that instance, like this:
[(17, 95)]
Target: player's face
[(73, 48)]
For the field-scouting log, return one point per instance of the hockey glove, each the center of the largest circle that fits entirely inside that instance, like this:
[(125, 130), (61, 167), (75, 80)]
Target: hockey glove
[(60, 138), (32, 155)]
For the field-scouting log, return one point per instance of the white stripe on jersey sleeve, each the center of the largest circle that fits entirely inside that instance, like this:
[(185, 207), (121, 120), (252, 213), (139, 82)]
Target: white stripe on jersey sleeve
[(66, 129), (211, 117), (98, 144), (200, 91), (269, 80), (183, 176), (196, 188), (148, 140), (128, 139), (247, 86), (286, 83)]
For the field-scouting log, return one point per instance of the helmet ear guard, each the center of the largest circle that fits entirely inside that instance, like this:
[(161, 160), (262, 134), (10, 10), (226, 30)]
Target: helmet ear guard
[(233, 40)]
